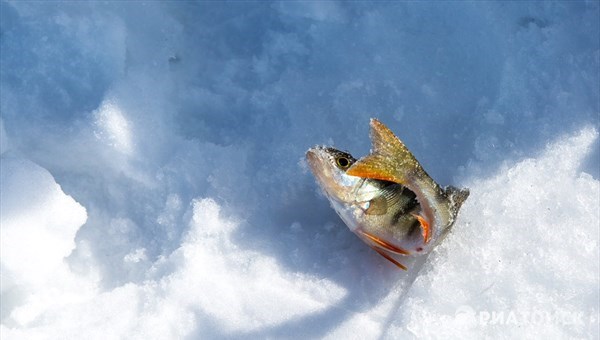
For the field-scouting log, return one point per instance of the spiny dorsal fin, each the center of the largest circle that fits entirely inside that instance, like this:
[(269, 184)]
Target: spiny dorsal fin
[(390, 159)]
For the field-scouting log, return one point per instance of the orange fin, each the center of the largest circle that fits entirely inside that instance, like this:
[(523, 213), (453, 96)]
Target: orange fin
[(389, 258), (384, 244), (425, 228), (390, 159), (374, 166)]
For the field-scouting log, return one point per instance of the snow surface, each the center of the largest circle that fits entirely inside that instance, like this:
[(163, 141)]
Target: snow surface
[(153, 182)]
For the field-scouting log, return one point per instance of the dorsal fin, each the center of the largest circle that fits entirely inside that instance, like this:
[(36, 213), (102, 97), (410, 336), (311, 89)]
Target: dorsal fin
[(390, 159)]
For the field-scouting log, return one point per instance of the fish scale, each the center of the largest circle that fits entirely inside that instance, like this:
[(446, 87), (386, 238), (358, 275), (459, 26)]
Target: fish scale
[(386, 197)]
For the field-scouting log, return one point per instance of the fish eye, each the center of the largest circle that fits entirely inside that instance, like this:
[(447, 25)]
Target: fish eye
[(343, 162)]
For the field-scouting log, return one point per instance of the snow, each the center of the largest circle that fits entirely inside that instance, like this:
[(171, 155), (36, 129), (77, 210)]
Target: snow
[(539, 266), (153, 182)]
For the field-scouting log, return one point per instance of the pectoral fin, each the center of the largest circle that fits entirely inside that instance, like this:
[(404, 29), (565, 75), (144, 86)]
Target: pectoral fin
[(389, 197), (377, 206), (390, 159)]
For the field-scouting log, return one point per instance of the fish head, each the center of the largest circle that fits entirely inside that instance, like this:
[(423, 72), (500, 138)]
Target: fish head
[(329, 167)]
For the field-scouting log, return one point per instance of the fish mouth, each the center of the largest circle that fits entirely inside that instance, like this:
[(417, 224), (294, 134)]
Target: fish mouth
[(316, 158), (311, 157), (317, 161)]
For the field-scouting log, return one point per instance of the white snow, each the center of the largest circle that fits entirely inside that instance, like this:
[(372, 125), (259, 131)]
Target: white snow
[(534, 251), (112, 127), (153, 184), (39, 223)]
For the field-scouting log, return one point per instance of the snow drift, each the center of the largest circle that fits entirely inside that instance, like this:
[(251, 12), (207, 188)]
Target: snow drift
[(153, 182)]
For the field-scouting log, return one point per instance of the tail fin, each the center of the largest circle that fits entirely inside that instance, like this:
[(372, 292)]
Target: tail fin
[(457, 197)]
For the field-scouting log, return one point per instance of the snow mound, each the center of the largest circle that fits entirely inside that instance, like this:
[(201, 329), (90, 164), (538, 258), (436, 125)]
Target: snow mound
[(523, 260), (38, 227), (207, 287)]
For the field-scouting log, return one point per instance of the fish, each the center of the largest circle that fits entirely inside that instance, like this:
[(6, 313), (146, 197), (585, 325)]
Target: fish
[(386, 198)]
